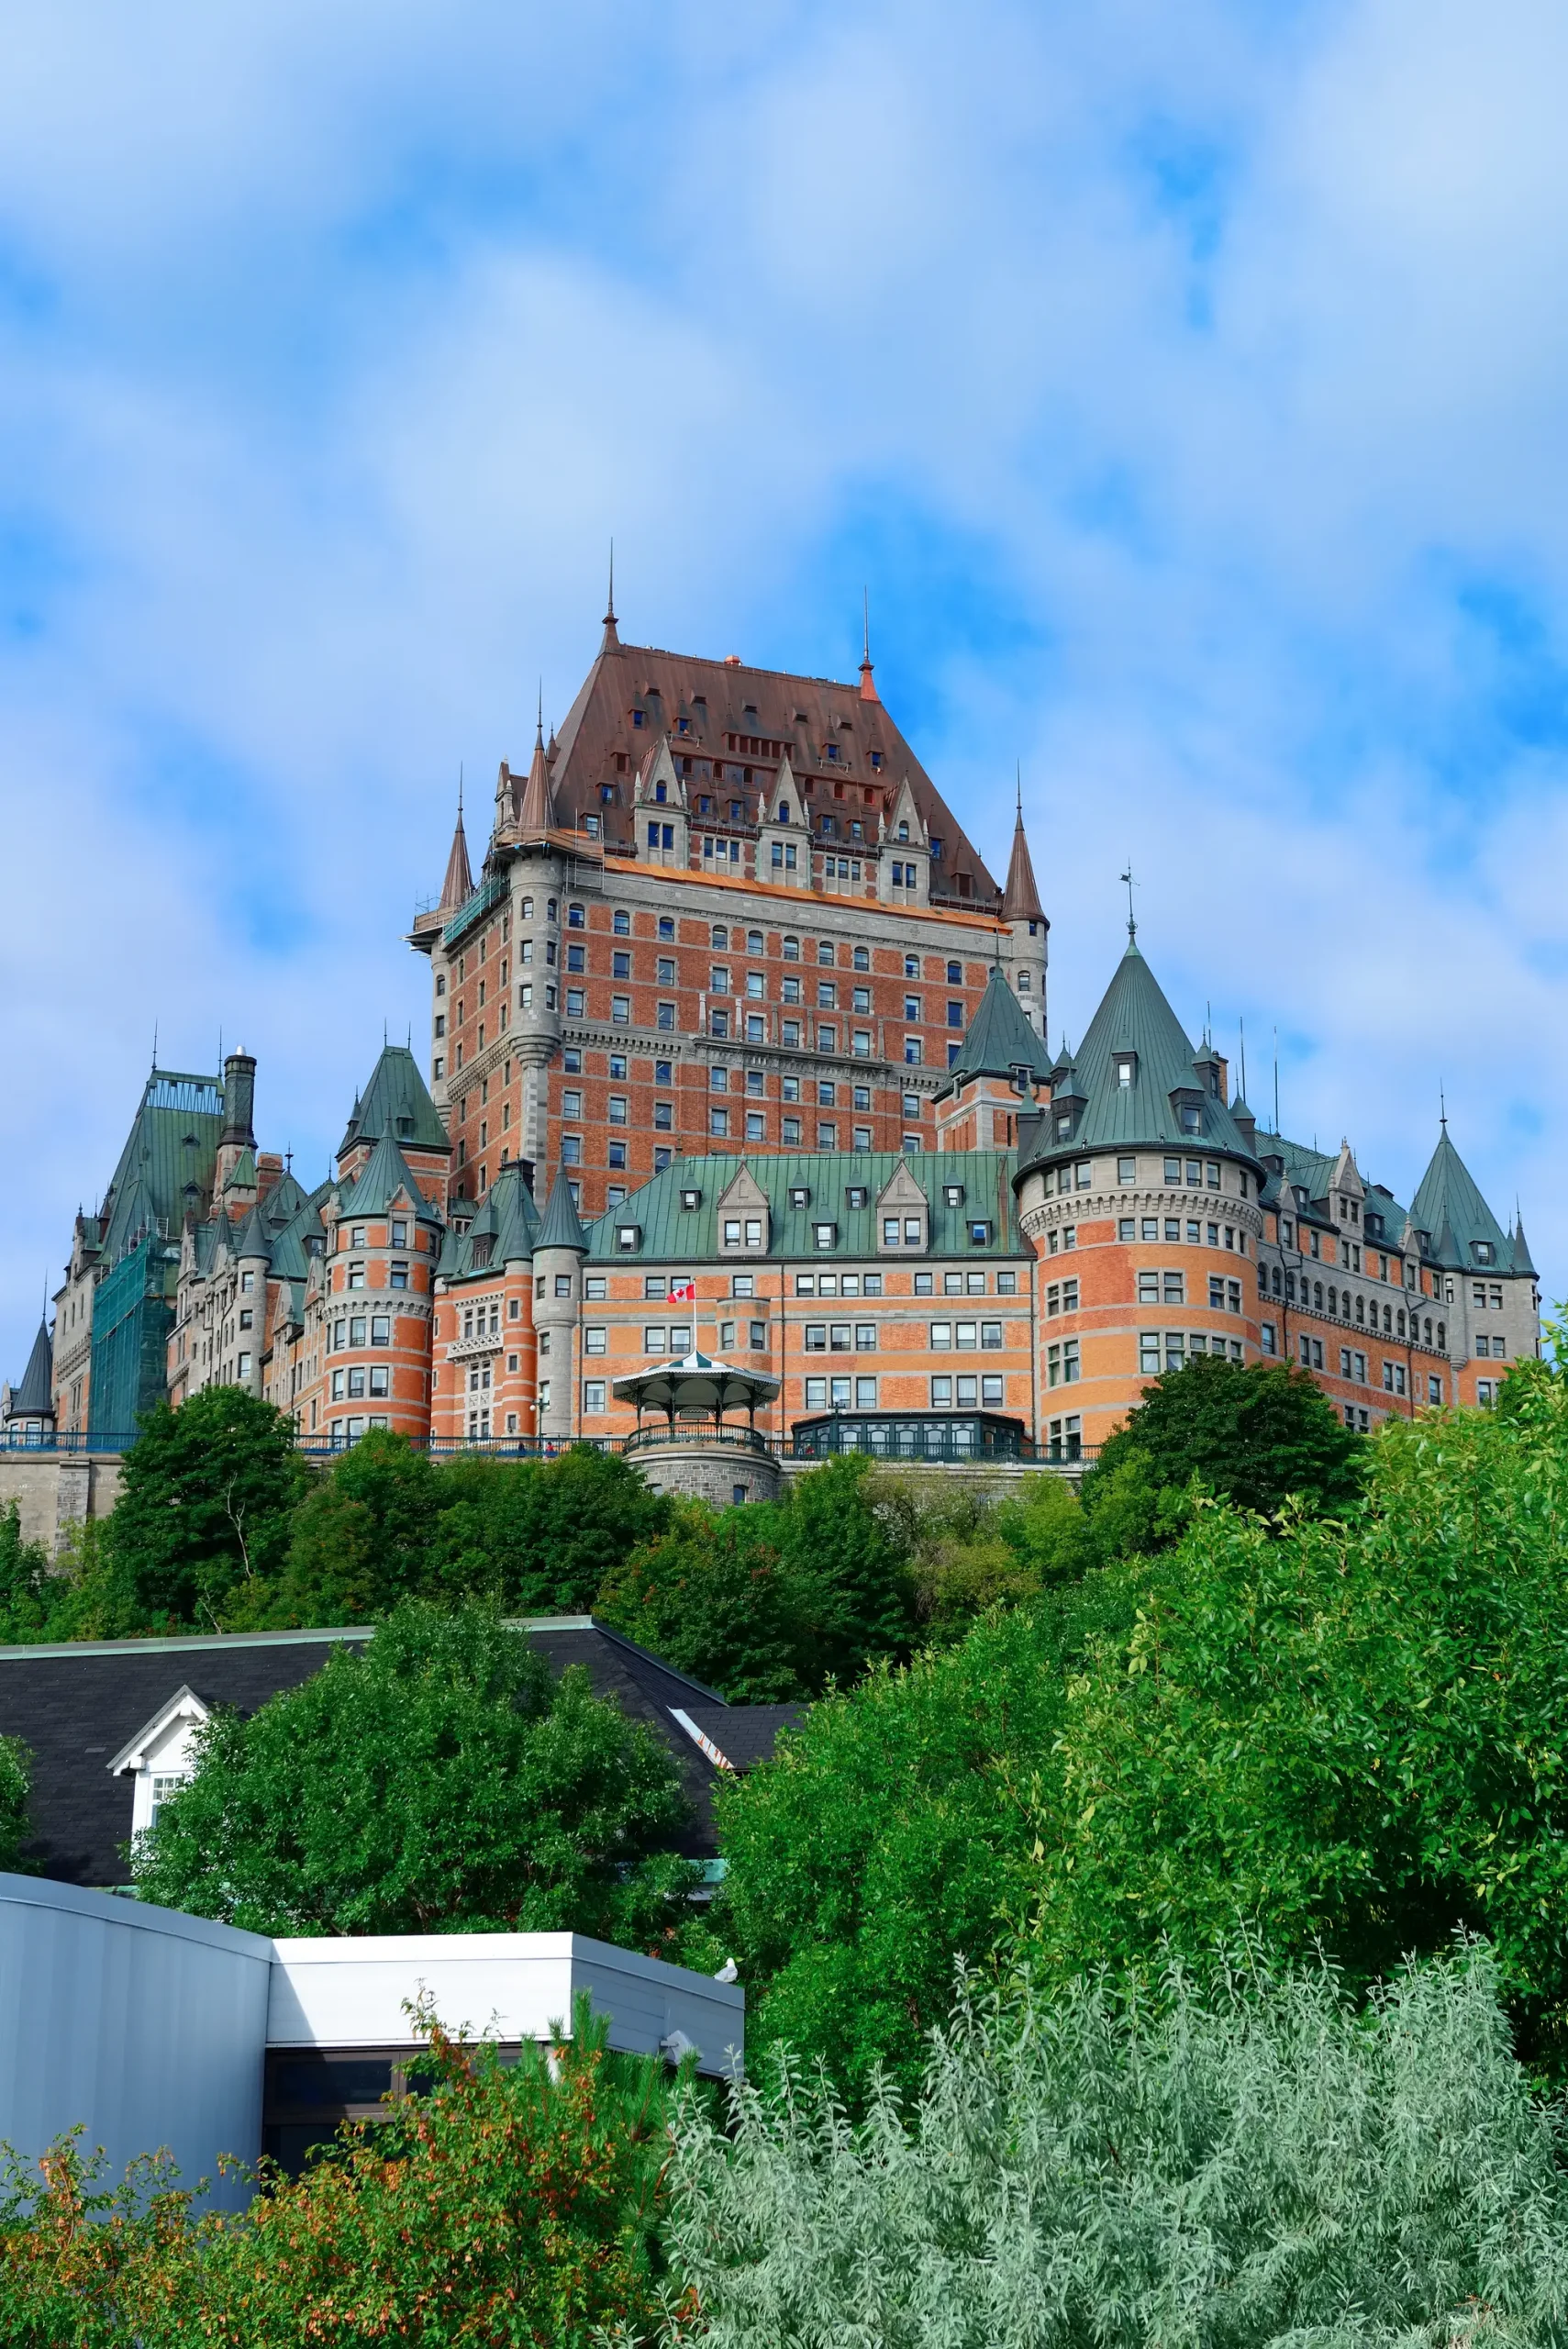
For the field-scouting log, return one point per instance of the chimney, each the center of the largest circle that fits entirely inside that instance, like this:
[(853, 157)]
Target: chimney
[(238, 1101)]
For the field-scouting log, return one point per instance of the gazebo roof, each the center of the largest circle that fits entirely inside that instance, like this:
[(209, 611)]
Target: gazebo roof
[(695, 1383)]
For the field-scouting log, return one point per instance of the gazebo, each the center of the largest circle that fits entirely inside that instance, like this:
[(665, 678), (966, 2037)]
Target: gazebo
[(693, 1384)]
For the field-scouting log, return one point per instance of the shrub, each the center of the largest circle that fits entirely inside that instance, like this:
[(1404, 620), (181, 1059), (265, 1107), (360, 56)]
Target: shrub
[(1241, 2164)]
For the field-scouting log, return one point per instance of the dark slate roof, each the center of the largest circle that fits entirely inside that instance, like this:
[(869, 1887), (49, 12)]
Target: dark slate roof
[(396, 1102), (169, 1156), (1449, 1206), (745, 1734), (999, 1039), (562, 1226), (671, 1231), (36, 1393), (1134, 1016), (75, 1706)]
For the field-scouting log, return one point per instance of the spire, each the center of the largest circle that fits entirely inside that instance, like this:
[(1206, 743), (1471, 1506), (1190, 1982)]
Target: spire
[(561, 1227), (1132, 915), (458, 887), (35, 1396), (538, 813), (1020, 900), (868, 683), (610, 641)]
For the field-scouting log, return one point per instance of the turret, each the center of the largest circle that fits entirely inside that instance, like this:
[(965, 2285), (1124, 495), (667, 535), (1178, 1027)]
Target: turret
[(557, 1288)]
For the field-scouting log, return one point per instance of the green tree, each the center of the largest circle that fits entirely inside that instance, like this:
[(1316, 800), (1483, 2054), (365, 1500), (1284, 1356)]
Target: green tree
[(556, 1527), (205, 1513), (362, 1537), (30, 1595), (16, 1785), (711, 1595), (1245, 2161), (1256, 1434), (774, 1599), (891, 1833), (1352, 1732), (439, 1782)]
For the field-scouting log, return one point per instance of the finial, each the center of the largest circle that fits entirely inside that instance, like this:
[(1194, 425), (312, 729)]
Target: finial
[(1442, 1107), (384, 1038), (1131, 917), (539, 721), (1018, 767), (155, 1047), (610, 601), (288, 1158), (865, 614), (459, 791), (1241, 1034)]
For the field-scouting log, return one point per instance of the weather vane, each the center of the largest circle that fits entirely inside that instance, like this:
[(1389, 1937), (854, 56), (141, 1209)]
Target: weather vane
[(1131, 918)]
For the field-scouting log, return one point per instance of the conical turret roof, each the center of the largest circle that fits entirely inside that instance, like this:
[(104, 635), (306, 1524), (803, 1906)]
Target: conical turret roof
[(35, 1396), (561, 1227), (1450, 1206), (538, 811), (1020, 900), (1523, 1261), (385, 1177), (1136, 1027), (458, 887), (253, 1239), (999, 1039)]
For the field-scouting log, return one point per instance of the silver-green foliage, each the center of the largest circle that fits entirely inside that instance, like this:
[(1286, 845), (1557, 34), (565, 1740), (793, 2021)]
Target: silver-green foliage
[(1249, 2161)]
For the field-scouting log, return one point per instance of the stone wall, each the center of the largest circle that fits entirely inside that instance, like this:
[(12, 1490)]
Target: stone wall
[(55, 1492)]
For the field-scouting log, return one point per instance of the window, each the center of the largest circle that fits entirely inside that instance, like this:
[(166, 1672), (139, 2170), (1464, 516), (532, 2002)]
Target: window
[(1394, 1377), (381, 1330), (1148, 1288), (1267, 1339), (1061, 1363), (595, 1339), (593, 1395), (823, 1235)]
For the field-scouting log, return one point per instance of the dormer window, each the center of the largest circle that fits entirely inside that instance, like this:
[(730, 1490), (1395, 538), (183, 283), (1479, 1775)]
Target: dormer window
[(1191, 1118), (1483, 1248), (1064, 1125), (683, 726), (660, 794), (690, 1201), (904, 832), (877, 760), (832, 749), (856, 1194), (783, 811), (1125, 1067), (638, 718), (799, 1195)]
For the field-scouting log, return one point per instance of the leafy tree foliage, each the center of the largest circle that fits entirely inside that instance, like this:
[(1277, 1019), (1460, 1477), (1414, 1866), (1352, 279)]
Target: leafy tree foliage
[(1236, 2163), (439, 1782), (510, 2204), (205, 1510), (774, 1599), (1345, 1732), (1254, 1434), (30, 1595), (890, 1832)]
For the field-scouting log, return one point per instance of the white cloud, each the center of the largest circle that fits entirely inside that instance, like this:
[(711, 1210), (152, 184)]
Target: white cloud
[(1197, 359)]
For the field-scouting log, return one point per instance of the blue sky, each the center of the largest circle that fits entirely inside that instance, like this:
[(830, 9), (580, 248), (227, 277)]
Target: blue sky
[(1188, 387)]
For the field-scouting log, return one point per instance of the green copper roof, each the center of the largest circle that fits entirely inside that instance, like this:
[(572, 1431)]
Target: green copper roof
[(674, 1232), (1449, 1206), (561, 1227), (35, 1396), (252, 1238), (383, 1175), (1135, 1019), (505, 1231), (166, 1166), (291, 1251), (396, 1102), (242, 1177), (999, 1038)]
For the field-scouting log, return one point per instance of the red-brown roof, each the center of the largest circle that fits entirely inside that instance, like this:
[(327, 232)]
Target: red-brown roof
[(738, 718)]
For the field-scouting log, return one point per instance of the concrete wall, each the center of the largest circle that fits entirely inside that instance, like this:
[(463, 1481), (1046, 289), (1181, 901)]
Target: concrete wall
[(146, 2027), (56, 1492)]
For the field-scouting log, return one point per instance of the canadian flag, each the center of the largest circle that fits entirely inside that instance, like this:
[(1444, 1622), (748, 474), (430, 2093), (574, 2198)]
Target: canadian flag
[(683, 1292)]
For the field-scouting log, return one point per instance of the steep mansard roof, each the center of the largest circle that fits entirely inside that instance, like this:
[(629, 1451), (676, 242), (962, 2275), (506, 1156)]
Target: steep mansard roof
[(36, 1393), (1449, 1206), (505, 1231), (671, 1232), (396, 1102), (999, 1039), (168, 1161), (1134, 1018), (770, 708)]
